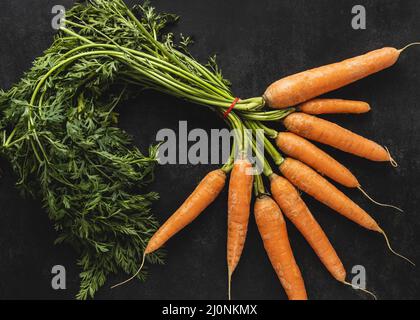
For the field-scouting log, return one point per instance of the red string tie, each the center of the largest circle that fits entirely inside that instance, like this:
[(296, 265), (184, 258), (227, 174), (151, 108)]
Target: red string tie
[(231, 107)]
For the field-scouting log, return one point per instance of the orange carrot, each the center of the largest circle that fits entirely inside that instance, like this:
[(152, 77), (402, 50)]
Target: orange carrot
[(307, 85), (318, 187), (329, 133), (273, 231), (301, 149), (203, 195), (325, 106), (296, 210), (239, 202)]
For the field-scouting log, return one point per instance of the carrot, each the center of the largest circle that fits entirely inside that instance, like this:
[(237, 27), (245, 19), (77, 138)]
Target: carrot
[(303, 150), (296, 210), (325, 106), (318, 187), (309, 84), (239, 202), (289, 200), (329, 133), (273, 231), (203, 195)]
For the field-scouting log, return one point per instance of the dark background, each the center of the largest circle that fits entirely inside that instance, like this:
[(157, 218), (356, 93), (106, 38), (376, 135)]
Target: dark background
[(257, 42)]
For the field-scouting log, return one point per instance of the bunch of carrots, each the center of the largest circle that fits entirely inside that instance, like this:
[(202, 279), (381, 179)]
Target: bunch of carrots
[(303, 167), (104, 46)]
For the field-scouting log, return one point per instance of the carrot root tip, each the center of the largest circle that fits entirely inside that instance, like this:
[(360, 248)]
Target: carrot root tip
[(361, 289), (379, 203), (393, 251), (229, 285), (408, 46), (133, 276), (391, 159)]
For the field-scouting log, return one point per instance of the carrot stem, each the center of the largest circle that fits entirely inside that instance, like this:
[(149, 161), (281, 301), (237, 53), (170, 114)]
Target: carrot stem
[(272, 115), (267, 171), (272, 151), (259, 188), (227, 167), (237, 125), (270, 132)]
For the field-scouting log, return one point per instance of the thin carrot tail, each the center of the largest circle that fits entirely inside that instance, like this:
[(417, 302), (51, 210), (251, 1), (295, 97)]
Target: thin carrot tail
[(409, 45), (229, 285), (391, 159), (133, 276), (393, 251), (379, 203), (361, 289)]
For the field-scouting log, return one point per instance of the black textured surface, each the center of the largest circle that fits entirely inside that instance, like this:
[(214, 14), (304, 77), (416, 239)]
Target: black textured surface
[(257, 43)]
